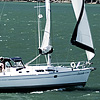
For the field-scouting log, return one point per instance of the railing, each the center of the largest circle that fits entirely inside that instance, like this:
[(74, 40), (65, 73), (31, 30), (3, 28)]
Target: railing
[(81, 64)]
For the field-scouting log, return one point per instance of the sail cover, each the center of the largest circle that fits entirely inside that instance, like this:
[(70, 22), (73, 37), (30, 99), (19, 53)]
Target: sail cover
[(46, 47), (82, 36)]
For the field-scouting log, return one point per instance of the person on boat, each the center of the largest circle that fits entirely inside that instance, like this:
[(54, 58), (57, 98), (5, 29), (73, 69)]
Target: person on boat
[(1, 65)]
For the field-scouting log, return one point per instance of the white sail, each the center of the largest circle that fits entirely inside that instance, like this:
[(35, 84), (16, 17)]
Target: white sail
[(46, 47), (82, 35)]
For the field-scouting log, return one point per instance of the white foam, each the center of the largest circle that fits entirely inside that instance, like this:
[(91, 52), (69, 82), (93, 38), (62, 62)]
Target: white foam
[(37, 92)]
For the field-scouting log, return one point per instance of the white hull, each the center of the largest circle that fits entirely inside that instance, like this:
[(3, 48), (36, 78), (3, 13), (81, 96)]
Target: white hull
[(44, 81)]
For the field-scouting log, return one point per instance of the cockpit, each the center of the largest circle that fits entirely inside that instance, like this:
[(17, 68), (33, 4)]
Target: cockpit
[(13, 62)]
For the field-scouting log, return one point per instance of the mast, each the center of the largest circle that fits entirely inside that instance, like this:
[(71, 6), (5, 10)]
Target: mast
[(46, 48), (48, 16), (82, 35), (39, 17)]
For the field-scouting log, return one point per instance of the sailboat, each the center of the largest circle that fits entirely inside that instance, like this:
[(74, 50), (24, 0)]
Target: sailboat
[(17, 76)]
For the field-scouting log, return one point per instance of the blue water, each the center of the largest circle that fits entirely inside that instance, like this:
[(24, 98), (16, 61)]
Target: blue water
[(18, 37)]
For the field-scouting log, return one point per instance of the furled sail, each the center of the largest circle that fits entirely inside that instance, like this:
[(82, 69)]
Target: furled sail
[(82, 36), (46, 48)]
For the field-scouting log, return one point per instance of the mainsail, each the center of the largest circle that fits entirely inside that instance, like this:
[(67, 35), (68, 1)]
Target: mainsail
[(46, 48), (82, 36)]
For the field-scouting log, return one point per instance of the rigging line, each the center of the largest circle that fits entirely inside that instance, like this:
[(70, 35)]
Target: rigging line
[(2, 10), (39, 6), (33, 59), (37, 28), (68, 51), (38, 23), (38, 31), (46, 58), (51, 28)]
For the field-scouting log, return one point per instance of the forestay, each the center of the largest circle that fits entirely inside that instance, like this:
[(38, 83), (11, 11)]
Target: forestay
[(82, 36)]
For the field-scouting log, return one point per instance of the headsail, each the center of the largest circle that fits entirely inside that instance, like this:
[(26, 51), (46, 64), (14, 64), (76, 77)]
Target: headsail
[(46, 48), (82, 36)]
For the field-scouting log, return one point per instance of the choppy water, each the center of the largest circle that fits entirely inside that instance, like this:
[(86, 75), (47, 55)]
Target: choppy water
[(18, 37)]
